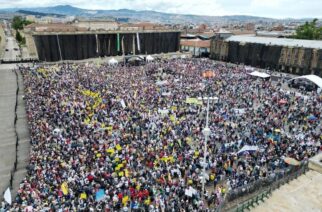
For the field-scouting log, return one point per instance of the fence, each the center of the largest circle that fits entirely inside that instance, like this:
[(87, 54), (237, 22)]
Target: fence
[(259, 190), (25, 60)]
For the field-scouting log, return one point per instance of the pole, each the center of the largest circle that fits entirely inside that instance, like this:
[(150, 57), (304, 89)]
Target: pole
[(206, 132)]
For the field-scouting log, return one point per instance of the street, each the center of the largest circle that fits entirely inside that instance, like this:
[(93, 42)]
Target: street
[(11, 49)]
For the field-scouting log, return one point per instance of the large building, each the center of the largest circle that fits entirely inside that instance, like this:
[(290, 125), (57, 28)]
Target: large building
[(280, 54), (70, 42)]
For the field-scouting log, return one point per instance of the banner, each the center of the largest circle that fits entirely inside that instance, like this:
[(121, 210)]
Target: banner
[(100, 194), (118, 42), (7, 196), (193, 101), (123, 103), (138, 41)]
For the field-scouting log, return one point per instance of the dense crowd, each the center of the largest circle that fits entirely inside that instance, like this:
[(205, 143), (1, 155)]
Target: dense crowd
[(121, 138)]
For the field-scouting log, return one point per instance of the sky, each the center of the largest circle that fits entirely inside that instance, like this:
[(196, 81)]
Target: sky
[(263, 8)]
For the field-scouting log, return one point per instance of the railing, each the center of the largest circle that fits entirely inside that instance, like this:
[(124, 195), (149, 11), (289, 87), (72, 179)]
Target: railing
[(259, 190), (24, 60)]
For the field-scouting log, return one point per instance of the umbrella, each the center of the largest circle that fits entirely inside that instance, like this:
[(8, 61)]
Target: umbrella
[(282, 101), (312, 118), (277, 130), (291, 161)]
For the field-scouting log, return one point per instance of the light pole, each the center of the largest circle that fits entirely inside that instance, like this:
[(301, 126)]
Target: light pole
[(206, 132)]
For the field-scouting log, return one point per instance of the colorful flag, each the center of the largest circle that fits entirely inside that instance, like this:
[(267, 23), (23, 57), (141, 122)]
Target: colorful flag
[(64, 188)]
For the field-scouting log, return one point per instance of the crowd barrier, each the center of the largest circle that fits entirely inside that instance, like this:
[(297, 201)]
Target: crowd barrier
[(259, 190), (26, 60)]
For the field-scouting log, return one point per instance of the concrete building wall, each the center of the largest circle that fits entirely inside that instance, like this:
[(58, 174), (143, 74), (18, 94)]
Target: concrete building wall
[(296, 60), (83, 46), (2, 40)]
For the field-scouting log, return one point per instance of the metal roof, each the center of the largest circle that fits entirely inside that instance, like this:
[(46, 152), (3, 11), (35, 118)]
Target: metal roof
[(315, 44)]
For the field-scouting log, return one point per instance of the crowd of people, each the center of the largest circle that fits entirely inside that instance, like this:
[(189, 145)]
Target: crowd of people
[(130, 138)]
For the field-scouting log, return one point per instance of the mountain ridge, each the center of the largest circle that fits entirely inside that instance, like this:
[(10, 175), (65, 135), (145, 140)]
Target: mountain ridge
[(145, 15)]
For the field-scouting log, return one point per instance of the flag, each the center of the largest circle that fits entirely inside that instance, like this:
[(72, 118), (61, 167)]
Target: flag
[(7, 196), (83, 195), (100, 194), (64, 188), (138, 41), (118, 147), (125, 200), (111, 151)]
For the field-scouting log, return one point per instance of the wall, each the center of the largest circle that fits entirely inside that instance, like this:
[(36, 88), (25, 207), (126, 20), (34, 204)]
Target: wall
[(295, 60), (2, 41), (84, 46)]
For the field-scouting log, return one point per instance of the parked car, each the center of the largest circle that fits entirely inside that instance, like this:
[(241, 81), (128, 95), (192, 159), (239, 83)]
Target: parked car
[(7, 50), (16, 49)]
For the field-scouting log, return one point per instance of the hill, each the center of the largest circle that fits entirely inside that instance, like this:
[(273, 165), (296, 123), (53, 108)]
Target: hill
[(145, 15)]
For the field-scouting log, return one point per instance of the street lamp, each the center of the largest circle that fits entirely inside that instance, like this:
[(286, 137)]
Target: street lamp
[(206, 132)]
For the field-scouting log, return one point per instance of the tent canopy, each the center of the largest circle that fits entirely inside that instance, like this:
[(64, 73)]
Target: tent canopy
[(259, 74), (313, 78), (149, 58), (112, 61)]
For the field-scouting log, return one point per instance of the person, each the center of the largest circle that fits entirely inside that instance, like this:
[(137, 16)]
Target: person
[(122, 137)]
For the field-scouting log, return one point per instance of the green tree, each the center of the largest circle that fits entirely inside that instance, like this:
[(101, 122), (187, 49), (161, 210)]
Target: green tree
[(18, 37), (18, 22), (309, 31)]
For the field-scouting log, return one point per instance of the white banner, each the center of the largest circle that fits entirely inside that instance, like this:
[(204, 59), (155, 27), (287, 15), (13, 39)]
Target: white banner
[(7, 196), (138, 41), (123, 103)]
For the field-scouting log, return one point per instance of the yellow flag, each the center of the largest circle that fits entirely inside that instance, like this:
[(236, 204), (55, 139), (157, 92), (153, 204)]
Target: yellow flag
[(111, 151), (64, 188), (147, 201), (118, 147), (172, 118), (127, 173), (125, 199), (83, 195)]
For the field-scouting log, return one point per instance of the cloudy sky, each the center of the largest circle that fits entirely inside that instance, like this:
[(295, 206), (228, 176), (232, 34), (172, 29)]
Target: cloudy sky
[(265, 8)]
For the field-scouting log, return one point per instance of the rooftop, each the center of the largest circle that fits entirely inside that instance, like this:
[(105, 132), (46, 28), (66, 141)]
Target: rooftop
[(196, 43), (315, 44)]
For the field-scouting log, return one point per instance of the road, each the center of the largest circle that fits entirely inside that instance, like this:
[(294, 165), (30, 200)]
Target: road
[(11, 106), (10, 53)]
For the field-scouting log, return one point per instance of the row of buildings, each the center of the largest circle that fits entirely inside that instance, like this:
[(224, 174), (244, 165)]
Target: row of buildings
[(107, 38)]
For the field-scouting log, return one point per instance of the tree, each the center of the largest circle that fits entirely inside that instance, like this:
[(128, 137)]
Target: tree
[(18, 37), (309, 31), (18, 22)]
